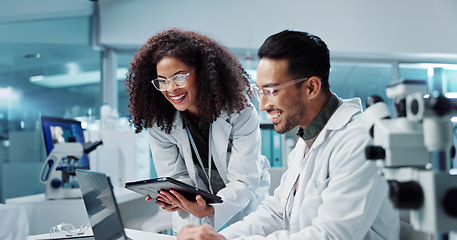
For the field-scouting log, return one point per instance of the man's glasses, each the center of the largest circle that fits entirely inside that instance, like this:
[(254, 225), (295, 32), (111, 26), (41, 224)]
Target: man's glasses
[(268, 91), (178, 80)]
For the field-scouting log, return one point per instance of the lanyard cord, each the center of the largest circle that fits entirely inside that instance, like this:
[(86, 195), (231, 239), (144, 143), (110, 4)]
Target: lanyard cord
[(199, 158)]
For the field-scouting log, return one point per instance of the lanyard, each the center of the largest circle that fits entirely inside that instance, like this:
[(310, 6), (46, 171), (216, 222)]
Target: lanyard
[(199, 158)]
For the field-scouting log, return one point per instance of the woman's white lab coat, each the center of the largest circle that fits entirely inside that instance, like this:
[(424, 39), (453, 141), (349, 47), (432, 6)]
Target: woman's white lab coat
[(237, 157), (339, 193)]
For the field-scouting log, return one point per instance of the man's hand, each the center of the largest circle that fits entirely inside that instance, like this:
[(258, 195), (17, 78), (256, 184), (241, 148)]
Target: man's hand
[(202, 232)]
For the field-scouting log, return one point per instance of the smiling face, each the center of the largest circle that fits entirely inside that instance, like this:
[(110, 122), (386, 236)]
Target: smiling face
[(183, 99), (289, 107)]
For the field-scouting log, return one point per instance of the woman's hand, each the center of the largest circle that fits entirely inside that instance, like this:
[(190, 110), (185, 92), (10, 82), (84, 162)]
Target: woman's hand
[(202, 232), (164, 204), (199, 208)]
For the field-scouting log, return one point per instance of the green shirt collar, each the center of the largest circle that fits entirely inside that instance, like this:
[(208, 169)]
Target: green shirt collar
[(318, 123)]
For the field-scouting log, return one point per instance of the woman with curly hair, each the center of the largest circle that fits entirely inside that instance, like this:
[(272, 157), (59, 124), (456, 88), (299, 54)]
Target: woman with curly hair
[(192, 96)]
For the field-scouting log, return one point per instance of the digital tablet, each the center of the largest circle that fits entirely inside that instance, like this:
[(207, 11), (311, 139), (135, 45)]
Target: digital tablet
[(150, 188)]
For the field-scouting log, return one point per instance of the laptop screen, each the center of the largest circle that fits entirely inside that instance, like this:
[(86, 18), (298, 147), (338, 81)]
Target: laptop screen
[(101, 205)]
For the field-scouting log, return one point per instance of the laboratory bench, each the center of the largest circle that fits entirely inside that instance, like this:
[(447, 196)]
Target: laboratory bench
[(136, 212)]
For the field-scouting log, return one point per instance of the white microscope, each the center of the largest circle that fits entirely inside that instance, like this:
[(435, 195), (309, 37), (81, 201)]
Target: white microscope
[(413, 152), (58, 172)]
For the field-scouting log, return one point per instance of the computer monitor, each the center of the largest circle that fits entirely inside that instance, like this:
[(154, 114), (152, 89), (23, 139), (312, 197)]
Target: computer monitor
[(56, 130)]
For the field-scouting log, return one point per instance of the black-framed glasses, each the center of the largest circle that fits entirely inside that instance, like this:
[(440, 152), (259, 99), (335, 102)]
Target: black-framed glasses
[(178, 80), (267, 92)]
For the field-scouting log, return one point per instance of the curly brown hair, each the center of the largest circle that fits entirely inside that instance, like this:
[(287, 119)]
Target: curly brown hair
[(223, 82)]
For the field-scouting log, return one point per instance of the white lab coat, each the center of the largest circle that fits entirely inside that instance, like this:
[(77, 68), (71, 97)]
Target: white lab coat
[(243, 169), (339, 194)]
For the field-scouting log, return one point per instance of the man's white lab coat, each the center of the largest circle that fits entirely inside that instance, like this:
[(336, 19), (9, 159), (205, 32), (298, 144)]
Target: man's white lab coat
[(339, 193)]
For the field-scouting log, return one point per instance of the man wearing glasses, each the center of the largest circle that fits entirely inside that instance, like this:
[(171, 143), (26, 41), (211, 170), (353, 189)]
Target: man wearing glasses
[(330, 190)]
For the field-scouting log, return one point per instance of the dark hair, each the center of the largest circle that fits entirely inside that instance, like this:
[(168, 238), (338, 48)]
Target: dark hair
[(308, 55), (223, 83)]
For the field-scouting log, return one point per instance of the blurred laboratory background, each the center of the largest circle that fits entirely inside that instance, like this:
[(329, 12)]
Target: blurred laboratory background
[(68, 59)]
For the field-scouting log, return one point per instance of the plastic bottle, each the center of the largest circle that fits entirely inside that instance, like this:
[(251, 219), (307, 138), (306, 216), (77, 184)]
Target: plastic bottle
[(105, 113)]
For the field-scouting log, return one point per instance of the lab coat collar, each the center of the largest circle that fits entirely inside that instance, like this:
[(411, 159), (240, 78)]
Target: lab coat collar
[(319, 122), (340, 118), (220, 130), (344, 113), (179, 123)]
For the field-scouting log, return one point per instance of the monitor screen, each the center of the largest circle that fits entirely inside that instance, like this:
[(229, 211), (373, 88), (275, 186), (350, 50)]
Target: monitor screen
[(57, 130)]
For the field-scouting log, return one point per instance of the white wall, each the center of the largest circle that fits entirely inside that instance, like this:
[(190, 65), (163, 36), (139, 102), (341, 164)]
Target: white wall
[(72, 30), (44, 23), (351, 26), (21, 10), (390, 27)]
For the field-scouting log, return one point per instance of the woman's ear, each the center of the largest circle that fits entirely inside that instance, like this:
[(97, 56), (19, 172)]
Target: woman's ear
[(313, 86)]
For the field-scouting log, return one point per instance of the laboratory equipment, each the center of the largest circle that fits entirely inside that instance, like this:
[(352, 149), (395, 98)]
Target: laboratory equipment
[(67, 151), (59, 130), (58, 172), (413, 152)]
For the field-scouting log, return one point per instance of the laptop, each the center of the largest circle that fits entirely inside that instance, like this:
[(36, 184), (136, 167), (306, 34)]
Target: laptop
[(101, 205)]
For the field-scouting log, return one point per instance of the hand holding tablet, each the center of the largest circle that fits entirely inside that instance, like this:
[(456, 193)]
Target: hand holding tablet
[(151, 187)]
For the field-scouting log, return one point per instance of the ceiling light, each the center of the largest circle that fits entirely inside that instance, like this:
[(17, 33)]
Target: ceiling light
[(73, 68), (9, 93), (68, 80), (451, 94), (33, 55), (429, 65), (36, 78)]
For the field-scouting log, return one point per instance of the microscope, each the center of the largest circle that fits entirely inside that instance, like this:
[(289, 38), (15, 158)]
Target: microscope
[(58, 172), (413, 151)]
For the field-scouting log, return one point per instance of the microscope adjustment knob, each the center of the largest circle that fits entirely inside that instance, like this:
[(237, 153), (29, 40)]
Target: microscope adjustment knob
[(375, 152), (406, 195), (440, 104), (449, 202), (453, 151), (56, 183), (400, 106), (372, 100)]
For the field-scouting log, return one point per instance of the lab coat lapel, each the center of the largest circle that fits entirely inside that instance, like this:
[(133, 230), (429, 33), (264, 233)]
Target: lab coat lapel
[(289, 186), (180, 134), (294, 167), (221, 130)]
